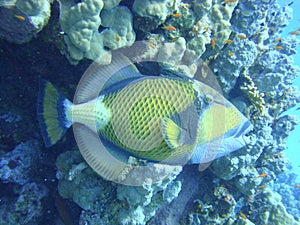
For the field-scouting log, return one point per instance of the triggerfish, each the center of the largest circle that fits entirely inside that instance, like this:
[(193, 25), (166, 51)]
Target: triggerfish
[(169, 119)]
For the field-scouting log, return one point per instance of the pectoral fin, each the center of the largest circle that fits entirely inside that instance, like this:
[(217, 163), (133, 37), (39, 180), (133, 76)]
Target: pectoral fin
[(171, 133), (183, 134)]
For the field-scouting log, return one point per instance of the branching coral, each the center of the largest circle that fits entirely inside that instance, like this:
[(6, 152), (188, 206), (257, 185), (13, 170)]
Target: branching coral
[(252, 92)]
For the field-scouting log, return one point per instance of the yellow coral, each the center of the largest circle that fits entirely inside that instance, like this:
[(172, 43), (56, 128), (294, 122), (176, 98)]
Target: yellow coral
[(255, 97)]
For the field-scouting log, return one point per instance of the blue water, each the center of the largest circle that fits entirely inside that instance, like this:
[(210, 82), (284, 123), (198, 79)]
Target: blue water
[(293, 141)]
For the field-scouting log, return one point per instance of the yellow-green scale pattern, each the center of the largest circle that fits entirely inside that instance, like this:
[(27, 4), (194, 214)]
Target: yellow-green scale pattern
[(137, 111)]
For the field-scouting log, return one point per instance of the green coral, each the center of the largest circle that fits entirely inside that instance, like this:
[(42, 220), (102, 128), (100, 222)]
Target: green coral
[(201, 8), (110, 4), (81, 22), (120, 32), (183, 19), (213, 27), (220, 17), (31, 7), (172, 52), (154, 11), (271, 210)]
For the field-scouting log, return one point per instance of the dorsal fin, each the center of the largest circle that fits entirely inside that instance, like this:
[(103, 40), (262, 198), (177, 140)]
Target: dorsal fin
[(100, 77), (203, 74), (167, 72), (206, 76)]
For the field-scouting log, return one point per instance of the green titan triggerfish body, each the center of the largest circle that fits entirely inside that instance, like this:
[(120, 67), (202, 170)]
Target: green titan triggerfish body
[(168, 119)]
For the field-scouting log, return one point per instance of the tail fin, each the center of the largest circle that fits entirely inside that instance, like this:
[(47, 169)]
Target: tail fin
[(52, 113)]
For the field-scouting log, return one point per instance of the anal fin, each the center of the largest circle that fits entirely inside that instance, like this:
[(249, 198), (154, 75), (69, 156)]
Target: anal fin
[(96, 155)]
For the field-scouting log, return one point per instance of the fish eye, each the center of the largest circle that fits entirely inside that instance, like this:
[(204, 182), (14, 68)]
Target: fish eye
[(208, 98)]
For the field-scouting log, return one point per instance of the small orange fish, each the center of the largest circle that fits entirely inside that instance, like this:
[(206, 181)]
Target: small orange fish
[(228, 41), (20, 17), (294, 33), (262, 175), (278, 47), (176, 15), (230, 54), (229, 1), (170, 28), (117, 38), (243, 216), (242, 36), (297, 186), (262, 186), (277, 40), (151, 44), (213, 43)]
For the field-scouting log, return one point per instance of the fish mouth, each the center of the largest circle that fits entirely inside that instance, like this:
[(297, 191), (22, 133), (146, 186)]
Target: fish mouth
[(233, 140), (239, 134), (245, 128), (236, 141)]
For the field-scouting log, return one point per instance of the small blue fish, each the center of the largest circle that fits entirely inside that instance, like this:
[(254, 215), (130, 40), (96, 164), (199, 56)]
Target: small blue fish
[(167, 119)]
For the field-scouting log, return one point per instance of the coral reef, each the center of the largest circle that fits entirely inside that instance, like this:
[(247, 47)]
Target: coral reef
[(229, 67), (17, 171), (9, 124), (252, 92), (144, 201), (119, 33), (79, 25), (23, 19), (151, 13), (213, 27), (287, 187), (16, 165), (273, 74), (262, 21), (27, 208), (113, 203), (270, 210)]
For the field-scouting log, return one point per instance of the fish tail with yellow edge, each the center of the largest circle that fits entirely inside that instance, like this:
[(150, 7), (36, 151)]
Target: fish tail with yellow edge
[(52, 111)]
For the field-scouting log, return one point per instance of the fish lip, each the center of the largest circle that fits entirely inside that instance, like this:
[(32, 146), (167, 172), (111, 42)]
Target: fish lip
[(247, 138), (244, 129), (249, 128), (241, 134)]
